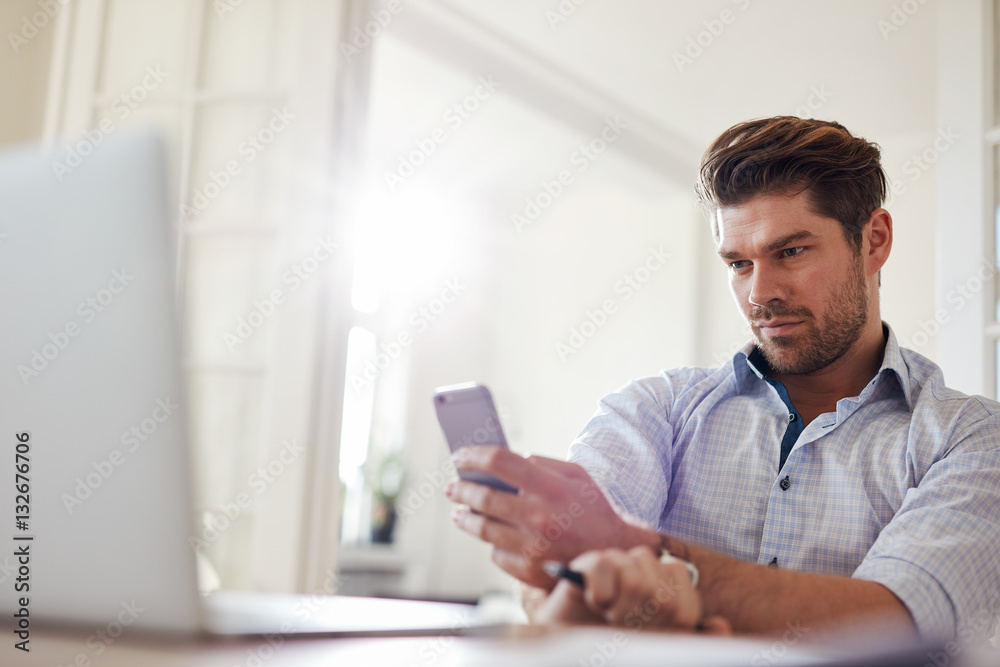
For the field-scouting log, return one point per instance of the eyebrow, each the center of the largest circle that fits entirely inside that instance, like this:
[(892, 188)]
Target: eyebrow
[(776, 244)]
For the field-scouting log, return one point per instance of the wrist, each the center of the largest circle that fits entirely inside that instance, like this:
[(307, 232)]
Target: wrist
[(639, 535), (674, 547)]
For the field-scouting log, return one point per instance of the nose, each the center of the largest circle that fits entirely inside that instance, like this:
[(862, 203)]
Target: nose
[(766, 287)]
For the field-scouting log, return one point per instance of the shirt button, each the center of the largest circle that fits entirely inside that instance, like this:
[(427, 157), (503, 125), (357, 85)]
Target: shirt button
[(774, 562), (785, 483), (791, 417)]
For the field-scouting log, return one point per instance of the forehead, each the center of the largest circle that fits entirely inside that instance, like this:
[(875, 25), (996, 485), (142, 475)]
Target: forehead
[(767, 218)]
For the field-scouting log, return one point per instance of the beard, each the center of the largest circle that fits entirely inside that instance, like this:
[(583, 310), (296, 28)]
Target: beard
[(827, 340)]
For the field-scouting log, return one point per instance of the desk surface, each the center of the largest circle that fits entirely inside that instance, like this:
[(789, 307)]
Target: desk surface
[(577, 647), (595, 647)]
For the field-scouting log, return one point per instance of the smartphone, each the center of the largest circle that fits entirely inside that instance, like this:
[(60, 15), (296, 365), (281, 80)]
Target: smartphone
[(468, 417)]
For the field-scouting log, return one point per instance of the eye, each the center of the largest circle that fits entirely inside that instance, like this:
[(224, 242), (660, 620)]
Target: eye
[(792, 252), (738, 264)]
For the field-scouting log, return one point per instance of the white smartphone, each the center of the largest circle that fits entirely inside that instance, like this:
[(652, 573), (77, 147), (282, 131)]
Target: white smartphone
[(468, 417)]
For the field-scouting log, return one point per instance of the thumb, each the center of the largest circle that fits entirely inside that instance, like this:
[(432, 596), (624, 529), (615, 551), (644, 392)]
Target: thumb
[(565, 605), (716, 625)]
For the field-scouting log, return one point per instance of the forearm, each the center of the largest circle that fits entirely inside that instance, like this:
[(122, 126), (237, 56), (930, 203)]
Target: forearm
[(763, 600)]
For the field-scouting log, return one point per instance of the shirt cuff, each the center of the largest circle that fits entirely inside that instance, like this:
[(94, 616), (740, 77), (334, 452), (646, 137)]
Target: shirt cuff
[(919, 591)]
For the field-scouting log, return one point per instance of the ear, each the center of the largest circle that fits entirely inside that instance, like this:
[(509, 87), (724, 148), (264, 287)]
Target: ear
[(878, 236)]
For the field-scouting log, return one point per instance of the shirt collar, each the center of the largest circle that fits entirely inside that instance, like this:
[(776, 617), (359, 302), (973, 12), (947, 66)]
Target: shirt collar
[(749, 364)]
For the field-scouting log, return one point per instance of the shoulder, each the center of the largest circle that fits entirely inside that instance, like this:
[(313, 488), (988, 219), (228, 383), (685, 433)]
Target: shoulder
[(686, 384), (949, 410)]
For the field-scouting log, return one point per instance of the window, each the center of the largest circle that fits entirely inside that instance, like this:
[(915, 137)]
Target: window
[(992, 287), (244, 105)]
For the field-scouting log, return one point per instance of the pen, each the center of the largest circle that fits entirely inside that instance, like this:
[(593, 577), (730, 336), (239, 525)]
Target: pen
[(560, 571)]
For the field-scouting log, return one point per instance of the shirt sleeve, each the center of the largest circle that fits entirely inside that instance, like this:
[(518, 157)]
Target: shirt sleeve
[(940, 553), (626, 448)]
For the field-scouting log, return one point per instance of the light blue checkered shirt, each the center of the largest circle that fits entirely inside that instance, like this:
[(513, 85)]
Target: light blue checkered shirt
[(901, 485)]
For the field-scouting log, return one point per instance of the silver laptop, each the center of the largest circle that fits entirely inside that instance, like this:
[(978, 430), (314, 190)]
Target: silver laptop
[(96, 492)]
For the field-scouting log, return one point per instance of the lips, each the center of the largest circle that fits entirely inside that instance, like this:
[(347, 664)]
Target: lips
[(772, 328)]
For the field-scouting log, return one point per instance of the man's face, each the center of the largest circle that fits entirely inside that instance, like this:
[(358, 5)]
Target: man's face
[(800, 285)]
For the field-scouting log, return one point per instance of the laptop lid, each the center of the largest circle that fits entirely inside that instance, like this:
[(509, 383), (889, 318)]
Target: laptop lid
[(90, 394), (91, 418)]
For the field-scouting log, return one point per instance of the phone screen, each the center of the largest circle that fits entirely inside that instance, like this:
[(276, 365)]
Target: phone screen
[(468, 417)]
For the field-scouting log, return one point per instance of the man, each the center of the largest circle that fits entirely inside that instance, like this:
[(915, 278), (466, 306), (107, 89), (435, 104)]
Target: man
[(824, 475)]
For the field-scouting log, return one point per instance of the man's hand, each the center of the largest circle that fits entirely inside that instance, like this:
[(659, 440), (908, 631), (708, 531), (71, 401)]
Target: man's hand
[(558, 514), (631, 589)]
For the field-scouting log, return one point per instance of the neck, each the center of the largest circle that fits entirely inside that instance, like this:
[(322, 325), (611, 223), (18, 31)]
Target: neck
[(816, 393)]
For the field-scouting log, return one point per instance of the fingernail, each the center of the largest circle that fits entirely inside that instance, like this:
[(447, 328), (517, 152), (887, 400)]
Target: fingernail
[(456, 514), (448, 490)]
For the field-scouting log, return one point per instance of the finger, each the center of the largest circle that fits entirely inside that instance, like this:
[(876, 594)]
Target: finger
[(601, 572), (537, 530), (680, 602), (565, 605), (716, 625), (486, 500), (488, 530), (511, 468), (636, 585), (586, 561), (523, 569), (658, 594), (499, 461)]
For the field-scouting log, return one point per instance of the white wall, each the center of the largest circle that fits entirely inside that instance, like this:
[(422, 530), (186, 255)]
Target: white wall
[(529, 289)]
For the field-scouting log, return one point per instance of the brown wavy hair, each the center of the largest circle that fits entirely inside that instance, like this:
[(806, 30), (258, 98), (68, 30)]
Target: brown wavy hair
[(840, 172)]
